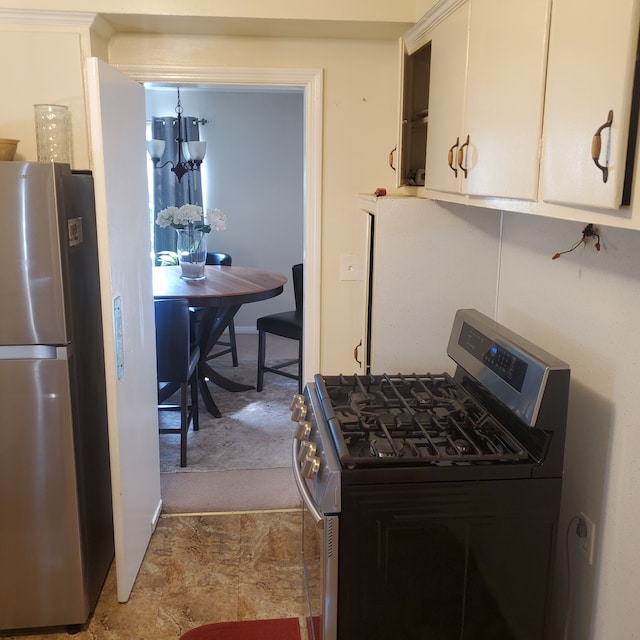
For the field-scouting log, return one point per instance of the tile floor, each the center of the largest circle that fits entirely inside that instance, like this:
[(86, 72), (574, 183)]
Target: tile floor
[(201, 569)]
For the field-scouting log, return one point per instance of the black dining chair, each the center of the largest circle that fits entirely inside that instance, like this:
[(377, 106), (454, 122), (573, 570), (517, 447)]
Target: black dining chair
[(177, 366), (287, 324)]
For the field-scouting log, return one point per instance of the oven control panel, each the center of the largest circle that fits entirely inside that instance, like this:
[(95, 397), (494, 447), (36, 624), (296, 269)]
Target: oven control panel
[(510, 367), (499, 358)]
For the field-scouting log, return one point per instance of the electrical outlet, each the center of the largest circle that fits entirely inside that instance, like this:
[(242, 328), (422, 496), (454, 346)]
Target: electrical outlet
[(587, 541)]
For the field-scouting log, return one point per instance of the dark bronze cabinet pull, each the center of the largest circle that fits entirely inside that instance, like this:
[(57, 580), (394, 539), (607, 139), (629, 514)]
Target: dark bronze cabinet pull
[(596, 147), (451, 157), (461, 156), (391, 157)]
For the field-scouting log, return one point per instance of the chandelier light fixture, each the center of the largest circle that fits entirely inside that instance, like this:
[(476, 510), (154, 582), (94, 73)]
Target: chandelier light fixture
[(190, 154)]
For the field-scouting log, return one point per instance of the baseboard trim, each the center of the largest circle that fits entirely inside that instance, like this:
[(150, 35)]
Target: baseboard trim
[(156, 516), (246, 330)]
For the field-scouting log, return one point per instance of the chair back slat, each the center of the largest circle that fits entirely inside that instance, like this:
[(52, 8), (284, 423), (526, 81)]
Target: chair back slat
[(218, 258), (173, 348), (298, 279)]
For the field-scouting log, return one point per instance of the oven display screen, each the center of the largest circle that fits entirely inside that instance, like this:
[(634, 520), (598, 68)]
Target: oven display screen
[(493, 356)]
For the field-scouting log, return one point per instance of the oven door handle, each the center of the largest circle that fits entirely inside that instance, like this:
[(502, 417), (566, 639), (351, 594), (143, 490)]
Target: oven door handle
[(316, 514)]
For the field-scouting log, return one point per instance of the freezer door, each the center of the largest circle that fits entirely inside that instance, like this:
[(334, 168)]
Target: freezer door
[(41, 580), (31, 284)]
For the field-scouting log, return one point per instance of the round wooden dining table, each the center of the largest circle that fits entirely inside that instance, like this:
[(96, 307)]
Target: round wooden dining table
[(223, 291)]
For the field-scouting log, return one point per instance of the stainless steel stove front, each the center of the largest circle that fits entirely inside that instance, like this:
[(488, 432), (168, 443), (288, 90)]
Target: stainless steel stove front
[(317, 475), (452, 552)]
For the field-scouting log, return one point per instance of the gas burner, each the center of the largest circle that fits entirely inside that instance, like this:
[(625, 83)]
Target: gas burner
[(461, 446), (384, 448)]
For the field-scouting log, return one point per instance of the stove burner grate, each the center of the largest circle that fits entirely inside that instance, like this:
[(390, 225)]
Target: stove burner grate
[(414, 419)]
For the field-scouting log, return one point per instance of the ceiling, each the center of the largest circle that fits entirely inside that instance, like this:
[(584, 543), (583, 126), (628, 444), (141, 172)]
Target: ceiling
[(254, 27)]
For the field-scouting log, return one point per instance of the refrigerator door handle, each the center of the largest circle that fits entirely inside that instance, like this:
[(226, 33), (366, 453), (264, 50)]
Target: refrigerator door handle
[(34, 352)]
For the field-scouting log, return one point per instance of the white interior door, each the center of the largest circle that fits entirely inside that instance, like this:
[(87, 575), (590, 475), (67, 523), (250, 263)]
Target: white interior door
[(118, 157)]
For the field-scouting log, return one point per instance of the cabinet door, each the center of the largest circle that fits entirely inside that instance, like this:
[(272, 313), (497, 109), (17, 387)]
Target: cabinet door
[(592, 53), (415, 115), (447, 560), (505, 97), (487, 93), (446, 102)]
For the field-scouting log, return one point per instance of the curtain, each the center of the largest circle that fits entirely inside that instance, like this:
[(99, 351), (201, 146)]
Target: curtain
[(167, 191)]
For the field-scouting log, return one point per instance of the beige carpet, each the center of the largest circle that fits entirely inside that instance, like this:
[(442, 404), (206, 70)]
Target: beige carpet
[(239, 462), (254, 432), (230, 490)]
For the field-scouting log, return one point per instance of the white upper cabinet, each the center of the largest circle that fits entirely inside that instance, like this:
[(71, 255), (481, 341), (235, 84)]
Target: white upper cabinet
[(591, 66), (488, 62), (526, 105)]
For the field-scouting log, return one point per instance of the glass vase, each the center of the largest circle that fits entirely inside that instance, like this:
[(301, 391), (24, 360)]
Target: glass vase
[(192, 252), (53, 133)]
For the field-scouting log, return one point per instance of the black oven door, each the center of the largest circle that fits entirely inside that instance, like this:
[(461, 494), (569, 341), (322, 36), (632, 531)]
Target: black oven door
[(319, 561)]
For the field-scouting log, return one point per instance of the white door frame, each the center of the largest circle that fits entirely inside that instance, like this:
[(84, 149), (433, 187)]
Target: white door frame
[(311, 81)]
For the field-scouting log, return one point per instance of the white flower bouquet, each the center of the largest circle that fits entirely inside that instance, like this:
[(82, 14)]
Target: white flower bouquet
[(192, 216), (191, 224)]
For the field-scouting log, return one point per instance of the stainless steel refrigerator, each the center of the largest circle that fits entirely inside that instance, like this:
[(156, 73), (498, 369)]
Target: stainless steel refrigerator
[(56, 529)]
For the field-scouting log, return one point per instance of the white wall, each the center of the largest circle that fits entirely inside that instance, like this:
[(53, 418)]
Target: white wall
[(52, 61), (253, 172), (360, 89), (584, 308)]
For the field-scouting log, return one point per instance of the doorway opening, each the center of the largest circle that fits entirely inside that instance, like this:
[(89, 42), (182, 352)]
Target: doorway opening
[(253, 171), (307, 84), (310, 81)]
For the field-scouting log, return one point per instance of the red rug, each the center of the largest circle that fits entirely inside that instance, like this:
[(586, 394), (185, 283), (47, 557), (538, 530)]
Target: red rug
[(279, 629)]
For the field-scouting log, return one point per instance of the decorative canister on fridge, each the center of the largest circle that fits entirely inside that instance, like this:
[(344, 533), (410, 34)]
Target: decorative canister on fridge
[(8, 148), (53, 133)]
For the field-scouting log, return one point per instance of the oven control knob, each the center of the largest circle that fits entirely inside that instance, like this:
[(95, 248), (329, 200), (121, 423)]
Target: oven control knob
[(306, 449), (302, 430), (310, 467), (299, 412), (298, 398)]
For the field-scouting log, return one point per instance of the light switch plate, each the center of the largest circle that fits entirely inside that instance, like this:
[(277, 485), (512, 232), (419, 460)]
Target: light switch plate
[(117, 328)]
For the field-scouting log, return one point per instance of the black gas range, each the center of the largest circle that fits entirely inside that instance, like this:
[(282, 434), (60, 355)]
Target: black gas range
[(436, 494)]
